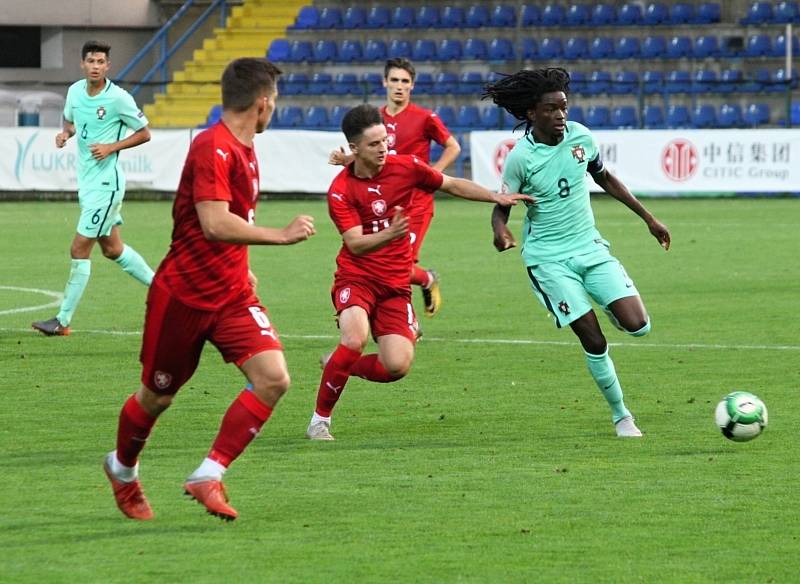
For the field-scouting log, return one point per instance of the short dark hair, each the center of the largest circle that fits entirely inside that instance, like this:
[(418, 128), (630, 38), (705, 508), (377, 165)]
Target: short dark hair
[(95, 47), (523, 90), (359, 119), (245, 79), (399, 63)]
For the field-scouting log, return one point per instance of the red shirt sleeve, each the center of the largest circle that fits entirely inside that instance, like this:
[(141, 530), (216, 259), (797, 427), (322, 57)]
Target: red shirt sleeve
[(341, 209), (436, 130), (212, 172), (428, 178)]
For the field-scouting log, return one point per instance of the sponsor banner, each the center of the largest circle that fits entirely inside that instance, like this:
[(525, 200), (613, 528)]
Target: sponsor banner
[(673, 161)]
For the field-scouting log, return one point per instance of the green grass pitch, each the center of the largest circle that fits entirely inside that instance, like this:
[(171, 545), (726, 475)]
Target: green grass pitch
[(494, 461)]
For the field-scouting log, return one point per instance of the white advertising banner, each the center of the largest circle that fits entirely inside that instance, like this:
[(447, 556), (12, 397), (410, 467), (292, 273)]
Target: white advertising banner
[(674, 161)]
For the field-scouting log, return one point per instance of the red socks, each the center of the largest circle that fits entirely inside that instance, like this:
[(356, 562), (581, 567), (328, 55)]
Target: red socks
[(420, 276), (241, 423), (132, 432), (334, 378), (369, 368)]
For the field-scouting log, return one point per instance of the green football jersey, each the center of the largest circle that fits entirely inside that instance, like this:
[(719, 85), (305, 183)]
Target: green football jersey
[(561, 223), (101, 119)]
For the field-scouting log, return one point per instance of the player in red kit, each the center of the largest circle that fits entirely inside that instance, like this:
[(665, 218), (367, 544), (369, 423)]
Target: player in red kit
[(204, 291), (372, 289), (410, 130)]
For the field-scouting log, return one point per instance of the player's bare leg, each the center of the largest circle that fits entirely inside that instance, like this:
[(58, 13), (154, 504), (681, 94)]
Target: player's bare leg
[(629, 315)]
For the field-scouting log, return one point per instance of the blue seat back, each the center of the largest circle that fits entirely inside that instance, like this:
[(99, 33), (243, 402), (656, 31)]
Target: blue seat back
[(475, 49), (403, 17), (503, 15), (604, 15)]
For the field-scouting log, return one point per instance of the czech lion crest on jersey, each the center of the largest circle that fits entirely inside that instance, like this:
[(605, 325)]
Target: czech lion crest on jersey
[(344, 295), (578, 153), (379, 207), (162, 380), (101, 113)]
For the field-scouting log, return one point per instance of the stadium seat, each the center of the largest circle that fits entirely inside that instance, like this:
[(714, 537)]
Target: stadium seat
[(372, 83), (654, 47), (756, 114), (731, 47), (786, 12), (350, 51), (704, 116), (316, 117), (424, 50), (708, 13), (475, 50), (399, 48), (345, 84), (307, 19), (403, 17), (530, 15), (553, 15), (705, 46), (625, 82), (447, 114), (578, 15), (705, 81), (337, 115), (477, 16), (427, 17), (375, 50), (214, 115), (731, 80), (575, 114), (678, 117), (730, 116), (503, 16), (603, 15), (758, 13), (290, 116), (379, 17), (681, 13), (758, 45), (501, 50), (655, 14), (354, 17), (653, 117), (324, 51), (509, 122), (759, 80), (627, 48), (490, 117), (449, 50), (468, 118), (444, 83), (300, 52), (550, 48), (452, 17), (320, 83), (330, 18), (599, 82), (679, 47), (423, 83), (779, 49), (470, 83), (629, 15), (576, 48), (278, 50), (780, 81), (602, 48), (624, 116), (529, 48), (679, 82), (598, 117), (577, 81), (653, 82), (294, 84)]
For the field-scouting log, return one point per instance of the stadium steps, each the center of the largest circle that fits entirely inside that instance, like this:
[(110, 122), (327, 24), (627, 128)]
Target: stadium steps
[(248, 32)]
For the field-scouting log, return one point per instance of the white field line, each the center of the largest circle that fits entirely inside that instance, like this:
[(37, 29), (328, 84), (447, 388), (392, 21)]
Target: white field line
[(57, 297)]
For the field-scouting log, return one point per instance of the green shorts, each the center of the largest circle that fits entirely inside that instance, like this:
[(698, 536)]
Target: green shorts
[(564, 287), (100, 211)]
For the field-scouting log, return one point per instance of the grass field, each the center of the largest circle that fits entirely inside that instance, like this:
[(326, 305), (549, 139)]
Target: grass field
[(494, 461)]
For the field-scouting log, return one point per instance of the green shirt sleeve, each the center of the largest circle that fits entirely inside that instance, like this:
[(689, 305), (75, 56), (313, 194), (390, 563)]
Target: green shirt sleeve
[(514, 171), (68, 107), (129, 112)]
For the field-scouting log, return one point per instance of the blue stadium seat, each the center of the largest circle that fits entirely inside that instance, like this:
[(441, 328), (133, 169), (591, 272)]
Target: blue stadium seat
[(653, 82), (602, 48), (423, 83), (550, 48), (350, 51), (278, 50), (294, 84), (779, 49), (375, 50), (468, 118), (681, 13), (501, 50), (598, 117), (780, 80), (330, 18), (490, 117), (403, 17), (678, 117), (475, 50), (337, 115), (704, 116), (705, 46), (577, 81), (656, 13), (730, 116), (300, 52), (654, 47), (708, 13), (477, 16), (553, 15), (756, 114), (447, 114), (325, 50), (786, 12), (316, 117), (624, 116), (214, 115), (576, 114), (627, 48), (759, 80), (625, 82), (290, 116), (578, 15), (705, 81), (758, 45), (345, 84), (629, 15), (320, 83), (576, 48), (428, 17), (530, 15), (731, 80), (399, 48), (372, 82), (509, 122), (599, 82), (529, 48), (603, 15), (449, 50), (758, 13), (679, 82), (354, 17), (503, 16), (307, 19), (653, 117), (379, 17), (470, 83), (679, 47), (452, 17), (444, 83)]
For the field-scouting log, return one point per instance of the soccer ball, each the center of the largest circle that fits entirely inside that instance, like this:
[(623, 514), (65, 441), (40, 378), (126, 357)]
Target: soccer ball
[(741, 416)]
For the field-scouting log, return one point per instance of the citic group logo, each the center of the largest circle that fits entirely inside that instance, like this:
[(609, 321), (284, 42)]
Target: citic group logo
[(500, 153), (679, 160)]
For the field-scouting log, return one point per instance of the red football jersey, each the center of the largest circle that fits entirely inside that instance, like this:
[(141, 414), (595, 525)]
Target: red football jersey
[(411, 132), (201, 273), (370, 202)]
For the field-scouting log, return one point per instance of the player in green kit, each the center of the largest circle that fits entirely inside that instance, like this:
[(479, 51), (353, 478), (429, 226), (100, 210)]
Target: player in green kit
[(566, 259), (100, 113)]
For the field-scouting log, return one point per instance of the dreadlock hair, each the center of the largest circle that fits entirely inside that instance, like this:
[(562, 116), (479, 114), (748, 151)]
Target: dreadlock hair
[(521, 91)]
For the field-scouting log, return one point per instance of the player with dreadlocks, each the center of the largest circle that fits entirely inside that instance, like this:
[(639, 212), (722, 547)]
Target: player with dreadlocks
[(566, 258)]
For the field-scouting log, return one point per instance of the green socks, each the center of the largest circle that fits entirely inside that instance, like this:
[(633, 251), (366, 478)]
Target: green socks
[(605, 376), (78, 278), (132, 263)]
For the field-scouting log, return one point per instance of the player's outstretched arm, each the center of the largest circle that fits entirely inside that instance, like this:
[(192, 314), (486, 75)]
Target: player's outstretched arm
[(614, 187), (219, 224), (466, 189), (503, 239), (360, 243)]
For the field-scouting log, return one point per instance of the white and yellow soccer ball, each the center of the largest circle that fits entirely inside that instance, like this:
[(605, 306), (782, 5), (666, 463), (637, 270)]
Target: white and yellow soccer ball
[(741, 416)]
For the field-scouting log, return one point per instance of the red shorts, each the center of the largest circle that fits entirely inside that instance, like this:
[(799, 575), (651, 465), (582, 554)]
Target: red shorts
[(174, 335), (417, 228), (389, 309)]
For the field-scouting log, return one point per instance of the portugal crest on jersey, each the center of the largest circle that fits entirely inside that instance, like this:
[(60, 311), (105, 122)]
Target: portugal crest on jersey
[(379, 207), (578, 153), (101, 113)]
